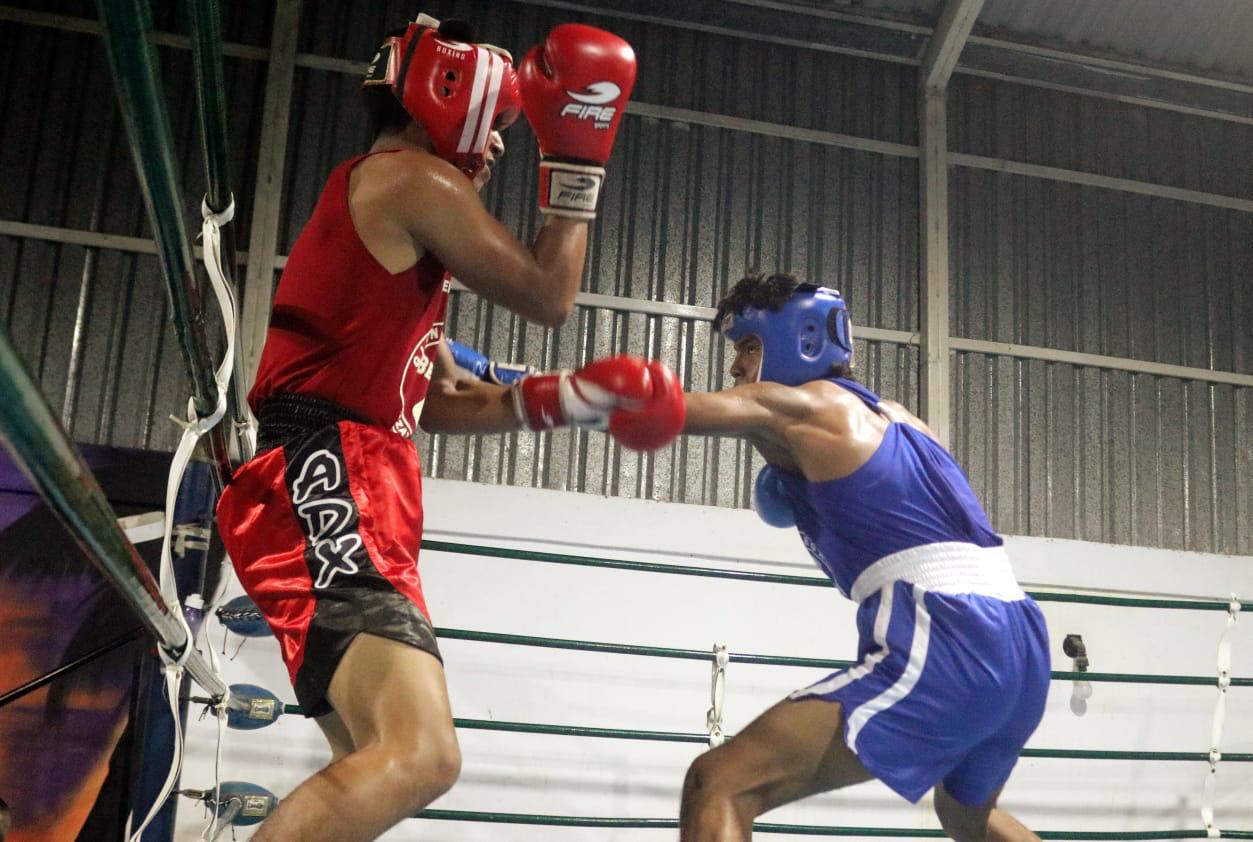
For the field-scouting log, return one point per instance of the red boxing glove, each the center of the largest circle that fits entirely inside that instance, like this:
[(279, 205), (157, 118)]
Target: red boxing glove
[(574, 89), (640, 403), (660, 420)]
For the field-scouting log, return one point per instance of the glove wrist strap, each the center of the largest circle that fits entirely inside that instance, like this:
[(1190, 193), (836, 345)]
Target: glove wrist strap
[(537, 402), (568, 189)]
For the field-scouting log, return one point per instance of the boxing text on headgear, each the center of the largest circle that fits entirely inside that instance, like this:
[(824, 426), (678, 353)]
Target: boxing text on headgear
[(457, 90), (801, 341)]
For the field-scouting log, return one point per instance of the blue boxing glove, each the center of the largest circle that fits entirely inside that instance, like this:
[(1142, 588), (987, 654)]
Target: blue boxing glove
[(770, 500), (502, 374)]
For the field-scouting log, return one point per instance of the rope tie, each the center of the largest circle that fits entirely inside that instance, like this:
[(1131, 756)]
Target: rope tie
[(222, 217), (1220, 717), (211, 236), (713, 718)]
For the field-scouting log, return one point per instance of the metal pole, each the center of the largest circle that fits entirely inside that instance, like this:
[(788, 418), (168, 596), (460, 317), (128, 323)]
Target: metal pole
[(933, 362), (67, 668), (126, 25), (41, 448), (271, 161), (206, 42)]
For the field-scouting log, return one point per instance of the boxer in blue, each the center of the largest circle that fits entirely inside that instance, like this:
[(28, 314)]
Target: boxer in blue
[(953, 664)]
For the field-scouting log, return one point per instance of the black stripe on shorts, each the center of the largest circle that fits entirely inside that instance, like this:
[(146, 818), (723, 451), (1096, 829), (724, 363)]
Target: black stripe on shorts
[(351, 595)]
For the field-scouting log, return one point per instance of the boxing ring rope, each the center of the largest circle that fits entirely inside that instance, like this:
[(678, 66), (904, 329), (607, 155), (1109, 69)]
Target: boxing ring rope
[(41, 447), (809, 830), (781, 660), (487, 551), (547, 729), (788, 661), (206, 44)]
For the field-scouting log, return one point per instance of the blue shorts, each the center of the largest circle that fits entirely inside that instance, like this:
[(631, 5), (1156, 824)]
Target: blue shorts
[(947, 688)]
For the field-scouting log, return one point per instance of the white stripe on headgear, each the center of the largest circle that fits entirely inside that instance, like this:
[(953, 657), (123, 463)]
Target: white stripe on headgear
[(489, 108), (476, 100)]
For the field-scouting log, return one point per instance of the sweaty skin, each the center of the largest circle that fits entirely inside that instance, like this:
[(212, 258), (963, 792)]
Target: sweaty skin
[(391, 197), (796, 748), (818, 429)]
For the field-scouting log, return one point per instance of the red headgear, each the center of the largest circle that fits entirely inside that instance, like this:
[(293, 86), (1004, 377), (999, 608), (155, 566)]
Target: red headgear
[(458, 91)]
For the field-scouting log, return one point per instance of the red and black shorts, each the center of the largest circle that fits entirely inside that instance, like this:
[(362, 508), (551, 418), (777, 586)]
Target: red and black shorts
[(324, 531)]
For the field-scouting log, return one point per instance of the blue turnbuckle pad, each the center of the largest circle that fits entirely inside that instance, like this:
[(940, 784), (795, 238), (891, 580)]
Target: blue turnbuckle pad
[(241, 616), (252, 707)]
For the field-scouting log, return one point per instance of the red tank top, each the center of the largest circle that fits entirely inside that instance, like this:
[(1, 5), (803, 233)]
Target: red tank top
[(344, 329)]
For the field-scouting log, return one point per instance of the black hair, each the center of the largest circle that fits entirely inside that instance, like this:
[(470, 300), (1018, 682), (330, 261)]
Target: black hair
[(759, 291), (383, 111), (764, 292), (457, 29)]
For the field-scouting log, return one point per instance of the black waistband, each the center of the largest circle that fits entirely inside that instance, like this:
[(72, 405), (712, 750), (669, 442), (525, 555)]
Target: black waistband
[(284, 417)]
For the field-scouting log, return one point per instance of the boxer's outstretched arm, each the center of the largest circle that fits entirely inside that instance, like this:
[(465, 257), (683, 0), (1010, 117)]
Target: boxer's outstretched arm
[(639, 402), (750, 409)]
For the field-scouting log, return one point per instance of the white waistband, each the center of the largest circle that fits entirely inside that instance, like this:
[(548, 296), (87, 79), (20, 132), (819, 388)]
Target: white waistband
[(952, 567)]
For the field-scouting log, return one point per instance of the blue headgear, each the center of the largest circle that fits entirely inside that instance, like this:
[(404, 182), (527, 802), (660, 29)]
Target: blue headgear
[(803, 340)]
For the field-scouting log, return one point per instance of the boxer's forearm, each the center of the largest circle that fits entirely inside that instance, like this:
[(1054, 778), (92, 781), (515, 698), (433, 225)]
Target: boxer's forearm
[(468, 407)]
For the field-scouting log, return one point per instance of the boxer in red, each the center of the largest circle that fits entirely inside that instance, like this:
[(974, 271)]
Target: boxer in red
[(324, 524)]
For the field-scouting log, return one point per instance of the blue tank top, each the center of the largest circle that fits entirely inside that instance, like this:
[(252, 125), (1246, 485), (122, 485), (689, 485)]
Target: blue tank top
[(909, 493)]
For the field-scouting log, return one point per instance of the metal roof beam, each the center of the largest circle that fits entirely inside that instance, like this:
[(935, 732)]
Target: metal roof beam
[(1141, 85), (669, 309), (945, 46)]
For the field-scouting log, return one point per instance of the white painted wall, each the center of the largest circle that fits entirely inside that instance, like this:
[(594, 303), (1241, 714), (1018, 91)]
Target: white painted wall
[(600, 777)]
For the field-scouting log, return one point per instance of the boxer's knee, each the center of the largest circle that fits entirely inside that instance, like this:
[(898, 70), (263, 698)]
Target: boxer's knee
[(424, 769)]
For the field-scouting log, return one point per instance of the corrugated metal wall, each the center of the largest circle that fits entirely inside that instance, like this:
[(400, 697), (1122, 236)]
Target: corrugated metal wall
[(1078, 452), (1067, 451), (1208, 35), (1194, 33), (1055, 449), (92, 323), (1101, 136)]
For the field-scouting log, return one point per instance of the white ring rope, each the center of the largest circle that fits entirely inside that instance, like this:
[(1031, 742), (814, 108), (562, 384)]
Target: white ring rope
[(1220, 717)]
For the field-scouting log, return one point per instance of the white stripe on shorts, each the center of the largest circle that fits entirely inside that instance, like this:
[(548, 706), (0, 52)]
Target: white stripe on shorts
[(913, 670), (842, 679)]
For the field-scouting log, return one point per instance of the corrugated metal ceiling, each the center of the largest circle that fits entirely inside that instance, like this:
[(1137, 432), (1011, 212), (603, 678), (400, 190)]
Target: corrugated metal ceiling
[(1207, 36)]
